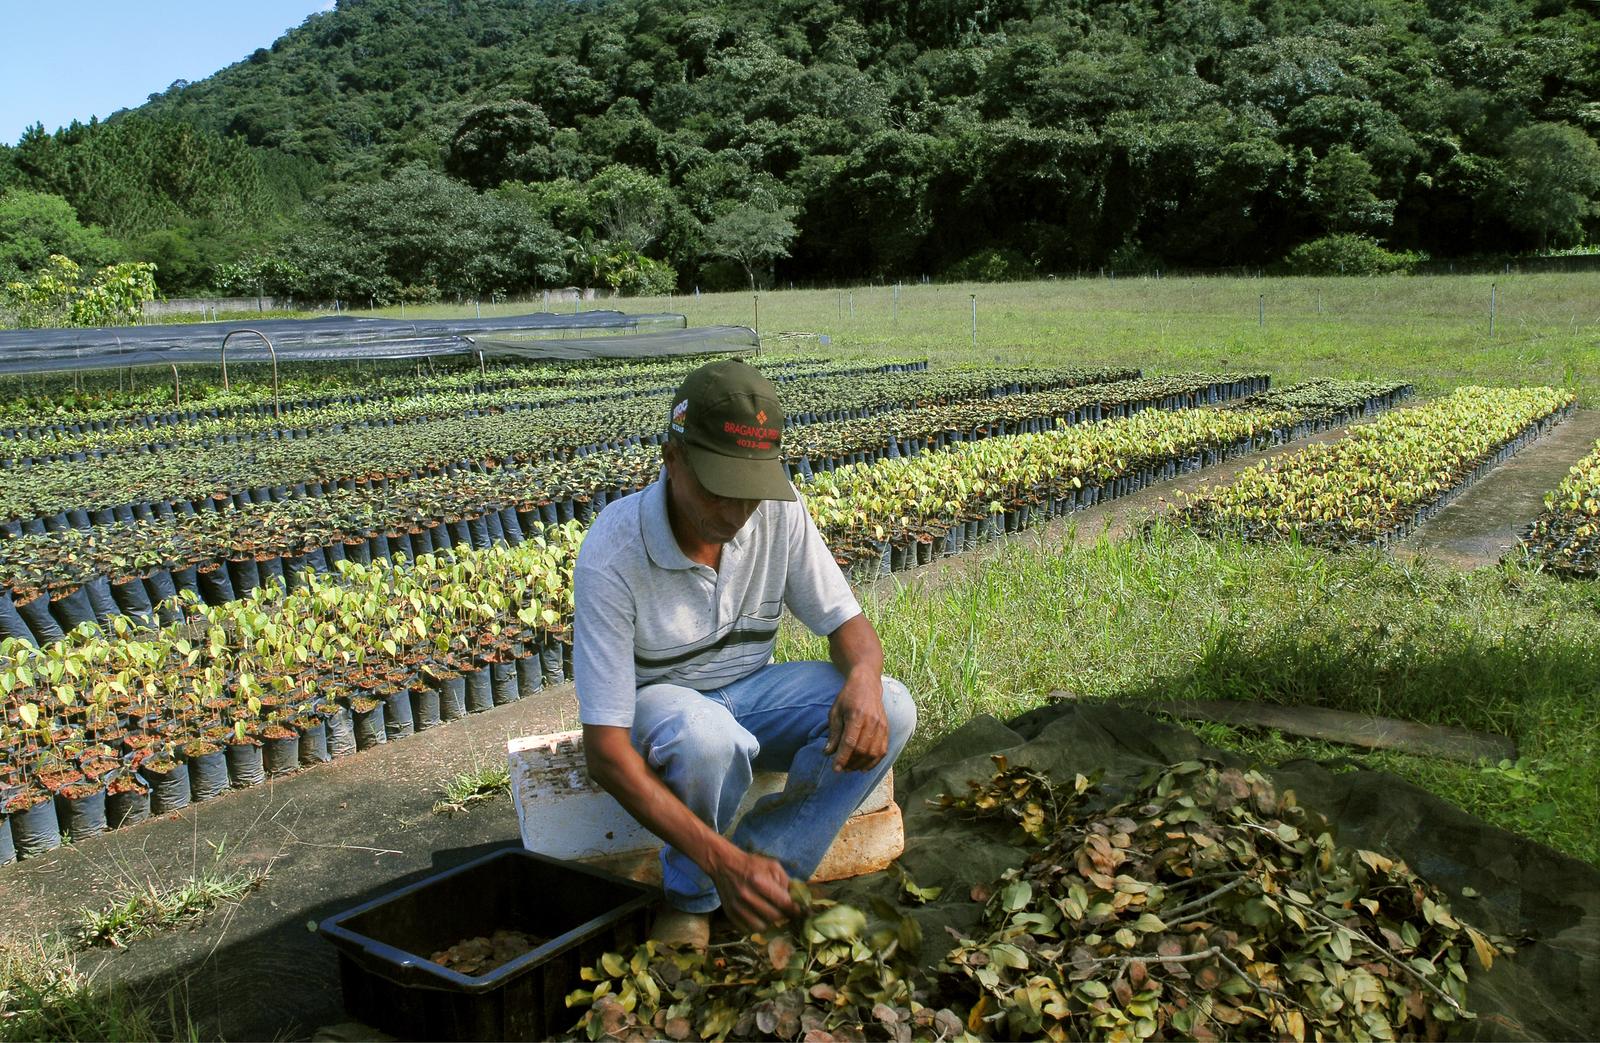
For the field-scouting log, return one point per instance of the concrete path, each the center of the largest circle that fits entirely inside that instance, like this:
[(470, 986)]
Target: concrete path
[(330, 837), (1485, 521)]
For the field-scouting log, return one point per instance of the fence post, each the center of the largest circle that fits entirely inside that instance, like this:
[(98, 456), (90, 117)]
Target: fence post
[(1492, 295), (896, 318), (1261, 317), (974, 320), (757, 327)]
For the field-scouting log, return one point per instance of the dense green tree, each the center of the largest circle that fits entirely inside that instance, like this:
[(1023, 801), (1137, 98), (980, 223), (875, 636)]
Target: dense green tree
[(501, 141), (1347, 254), (34, 225), (628, 206), (1341, 192), (259, 275), (908, 136), (421, 229), (752, 237), (1552, 182)]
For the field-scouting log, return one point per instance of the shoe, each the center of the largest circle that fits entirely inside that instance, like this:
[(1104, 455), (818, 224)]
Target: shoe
[(682, 930)]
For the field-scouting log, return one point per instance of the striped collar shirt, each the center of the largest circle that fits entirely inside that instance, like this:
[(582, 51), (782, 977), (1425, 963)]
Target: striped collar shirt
[(647, 614)]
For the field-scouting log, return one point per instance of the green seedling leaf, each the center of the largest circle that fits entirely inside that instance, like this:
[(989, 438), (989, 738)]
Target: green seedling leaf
[(1016, 895), (835, 924), (915, 894)]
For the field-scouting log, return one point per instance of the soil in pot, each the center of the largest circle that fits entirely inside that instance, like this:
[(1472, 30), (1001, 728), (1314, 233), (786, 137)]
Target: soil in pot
[(34, 826), (71, 607), (476, 956), (34, 606), (11, 622), (530, 675), (245, 764), (127, 800), (81, 809), (424, 707), (282, 754), (397, 722), (313, 740), (341, 732), (503, 682), (480, 690), (169, 782), (452, 689), (366, 713), (98, 765), (58, 776), (208, 769), (550, 660)]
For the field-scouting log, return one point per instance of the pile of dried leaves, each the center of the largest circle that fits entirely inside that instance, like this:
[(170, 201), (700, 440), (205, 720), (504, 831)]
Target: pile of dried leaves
[(481, 955), (1206, 906), (831, 977), (1203, 906)]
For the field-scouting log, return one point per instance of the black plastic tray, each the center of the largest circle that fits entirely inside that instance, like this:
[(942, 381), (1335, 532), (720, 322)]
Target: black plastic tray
[(390, 984)]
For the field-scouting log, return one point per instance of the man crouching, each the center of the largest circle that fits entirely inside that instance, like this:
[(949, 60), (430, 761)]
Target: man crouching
[(680, 589)]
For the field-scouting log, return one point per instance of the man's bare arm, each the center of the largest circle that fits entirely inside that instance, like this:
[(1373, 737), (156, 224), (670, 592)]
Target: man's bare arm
[(858, 728), (754, 888)]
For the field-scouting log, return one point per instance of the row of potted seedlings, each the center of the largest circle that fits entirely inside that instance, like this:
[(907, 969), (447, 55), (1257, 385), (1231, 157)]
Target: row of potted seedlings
[(101, 731), (1565, 538), (1382, 479), (54, 583), (907, 432), (313, 386), (79, 494), (1324, 403), (385, 412), (49, 585), (901, 513), (69, 578)]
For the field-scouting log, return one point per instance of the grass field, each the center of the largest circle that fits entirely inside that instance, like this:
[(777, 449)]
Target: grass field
[(1431, 330), (1168, 616)]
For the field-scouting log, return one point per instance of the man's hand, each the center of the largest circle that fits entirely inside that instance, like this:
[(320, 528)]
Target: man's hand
[(754, 889), (858, 729)]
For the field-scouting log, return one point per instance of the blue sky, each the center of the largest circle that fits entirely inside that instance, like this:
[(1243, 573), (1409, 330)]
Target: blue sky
[(62, 60)]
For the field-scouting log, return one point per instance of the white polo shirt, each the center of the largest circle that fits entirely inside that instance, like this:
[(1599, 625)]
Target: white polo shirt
[(646, 614)]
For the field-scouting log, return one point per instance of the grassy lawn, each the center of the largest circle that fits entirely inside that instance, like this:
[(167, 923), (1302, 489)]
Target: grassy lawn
[(1169, 616), (1431, 330)]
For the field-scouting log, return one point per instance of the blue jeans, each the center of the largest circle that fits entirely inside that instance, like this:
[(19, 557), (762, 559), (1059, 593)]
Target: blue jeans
[(707, 745)]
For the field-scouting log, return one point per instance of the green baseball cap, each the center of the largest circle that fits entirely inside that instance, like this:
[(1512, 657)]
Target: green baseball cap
[(730, 423)]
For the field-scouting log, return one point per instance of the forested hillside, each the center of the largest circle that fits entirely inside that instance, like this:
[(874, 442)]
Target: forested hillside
[(411, 148)]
